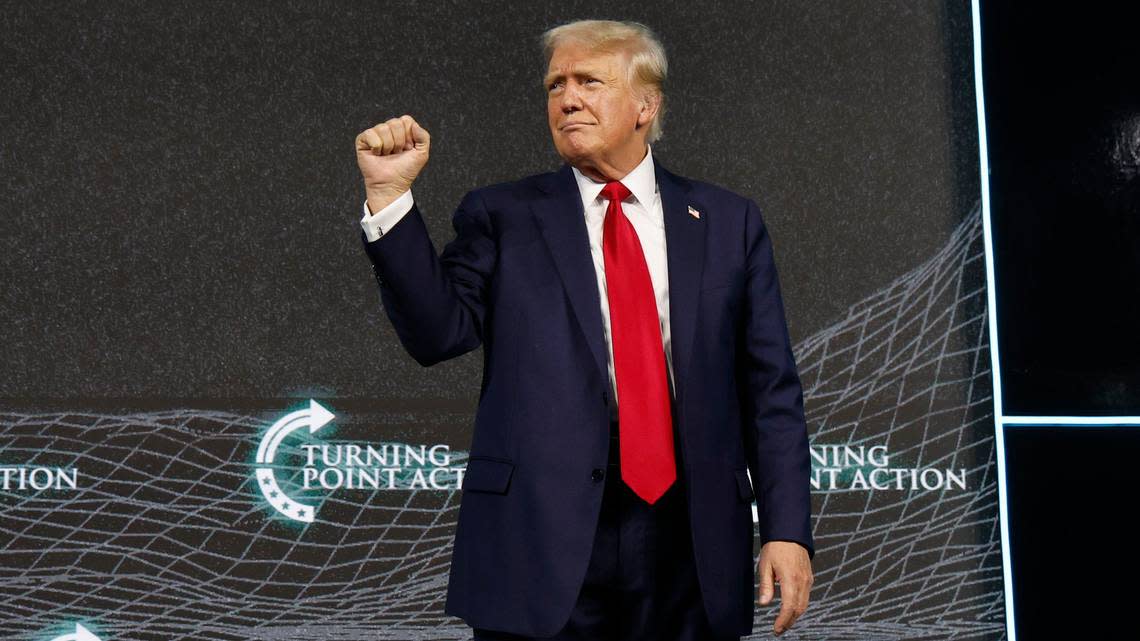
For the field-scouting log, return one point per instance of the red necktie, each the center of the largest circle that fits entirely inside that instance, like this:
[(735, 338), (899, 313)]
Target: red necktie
[(645, 423)]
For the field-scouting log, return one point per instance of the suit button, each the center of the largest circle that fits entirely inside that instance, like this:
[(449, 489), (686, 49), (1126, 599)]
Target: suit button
[(598, 474)]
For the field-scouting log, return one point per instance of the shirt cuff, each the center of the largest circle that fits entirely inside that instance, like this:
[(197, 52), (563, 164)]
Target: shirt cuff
[(375, 224)]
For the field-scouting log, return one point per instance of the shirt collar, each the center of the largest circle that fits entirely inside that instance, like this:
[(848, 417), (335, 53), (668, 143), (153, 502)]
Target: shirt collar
[(641, 182)]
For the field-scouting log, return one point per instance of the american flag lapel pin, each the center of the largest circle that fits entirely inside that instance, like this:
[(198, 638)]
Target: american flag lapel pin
[(694, 213)]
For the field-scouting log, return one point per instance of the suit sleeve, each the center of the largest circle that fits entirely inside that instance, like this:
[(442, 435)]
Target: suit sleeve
[(775, 432), (436, 303)]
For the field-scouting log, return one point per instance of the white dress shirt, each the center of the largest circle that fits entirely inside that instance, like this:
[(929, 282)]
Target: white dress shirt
[(642, 208)]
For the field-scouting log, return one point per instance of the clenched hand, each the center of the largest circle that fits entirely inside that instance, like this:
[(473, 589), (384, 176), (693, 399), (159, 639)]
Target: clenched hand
[(390, 156)]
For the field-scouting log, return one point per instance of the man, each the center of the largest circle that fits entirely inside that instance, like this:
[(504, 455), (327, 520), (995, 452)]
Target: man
[(637, 366)]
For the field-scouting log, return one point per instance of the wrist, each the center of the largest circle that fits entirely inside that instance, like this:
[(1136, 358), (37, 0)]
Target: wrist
[(378, 199)]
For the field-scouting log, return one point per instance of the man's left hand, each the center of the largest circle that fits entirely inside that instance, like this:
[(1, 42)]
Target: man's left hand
[(788, 564)]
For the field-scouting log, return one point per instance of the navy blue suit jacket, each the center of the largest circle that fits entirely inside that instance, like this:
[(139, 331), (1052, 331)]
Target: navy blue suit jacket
[(518, 279)]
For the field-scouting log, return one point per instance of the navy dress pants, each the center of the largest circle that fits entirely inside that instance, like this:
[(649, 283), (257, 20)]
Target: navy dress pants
[(641, 584)]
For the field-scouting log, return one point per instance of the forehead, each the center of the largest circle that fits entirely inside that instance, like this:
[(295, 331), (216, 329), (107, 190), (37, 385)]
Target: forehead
[(573, 57)]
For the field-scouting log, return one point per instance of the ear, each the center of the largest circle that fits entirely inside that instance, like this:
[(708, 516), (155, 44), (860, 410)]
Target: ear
[(649, 106)]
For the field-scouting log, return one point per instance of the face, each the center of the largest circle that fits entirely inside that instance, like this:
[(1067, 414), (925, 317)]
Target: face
[(595, 118)]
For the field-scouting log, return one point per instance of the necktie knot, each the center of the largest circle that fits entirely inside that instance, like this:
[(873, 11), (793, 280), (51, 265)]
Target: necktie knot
[(615, 191)]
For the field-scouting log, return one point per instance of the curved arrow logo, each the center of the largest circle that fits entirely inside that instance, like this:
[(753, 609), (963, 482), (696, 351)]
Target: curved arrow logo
[(81, 634), (313, 418)]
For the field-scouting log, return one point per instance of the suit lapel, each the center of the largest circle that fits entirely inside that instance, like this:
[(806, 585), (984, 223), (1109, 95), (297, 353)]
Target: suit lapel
[(559, 214), (685, 250)]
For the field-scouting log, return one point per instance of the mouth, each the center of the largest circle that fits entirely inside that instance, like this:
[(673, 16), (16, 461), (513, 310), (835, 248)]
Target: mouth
[(573, 125)]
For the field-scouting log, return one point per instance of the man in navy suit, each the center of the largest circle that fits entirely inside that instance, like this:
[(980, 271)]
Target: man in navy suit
[(636, 368)]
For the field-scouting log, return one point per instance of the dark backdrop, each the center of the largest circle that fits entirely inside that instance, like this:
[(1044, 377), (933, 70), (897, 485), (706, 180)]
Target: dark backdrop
[(181, 197)]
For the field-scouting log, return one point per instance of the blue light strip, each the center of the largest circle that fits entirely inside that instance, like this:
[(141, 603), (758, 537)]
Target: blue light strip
[(1070, 420), (991, 298)]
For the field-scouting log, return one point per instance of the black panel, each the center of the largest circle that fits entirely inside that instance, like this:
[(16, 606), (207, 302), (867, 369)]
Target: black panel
[(1063, 124), (1072, 500)]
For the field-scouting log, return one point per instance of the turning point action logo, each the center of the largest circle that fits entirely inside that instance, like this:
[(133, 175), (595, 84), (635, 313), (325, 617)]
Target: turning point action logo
[(352, 466), (863, 468), (313, 418)]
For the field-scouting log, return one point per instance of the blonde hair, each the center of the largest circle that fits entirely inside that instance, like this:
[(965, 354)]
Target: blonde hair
[(647, 65)]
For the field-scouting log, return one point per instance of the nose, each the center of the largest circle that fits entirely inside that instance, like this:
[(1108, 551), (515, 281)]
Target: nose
[(571, 101)]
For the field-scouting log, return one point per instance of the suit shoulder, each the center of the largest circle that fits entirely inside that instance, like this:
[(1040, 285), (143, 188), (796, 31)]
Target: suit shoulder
[(714, 194)]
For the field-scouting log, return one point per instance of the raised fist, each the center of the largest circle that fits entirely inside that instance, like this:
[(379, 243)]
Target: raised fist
[(390, 156)]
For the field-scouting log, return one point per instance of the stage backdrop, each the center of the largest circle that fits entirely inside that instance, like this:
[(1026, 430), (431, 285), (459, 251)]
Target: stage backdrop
[(208, 428)]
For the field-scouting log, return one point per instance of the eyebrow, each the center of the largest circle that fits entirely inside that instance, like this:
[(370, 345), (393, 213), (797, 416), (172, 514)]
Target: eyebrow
[(551, 77)]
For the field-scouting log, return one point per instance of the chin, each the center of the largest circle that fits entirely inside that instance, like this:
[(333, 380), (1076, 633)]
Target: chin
[(571, 151)]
